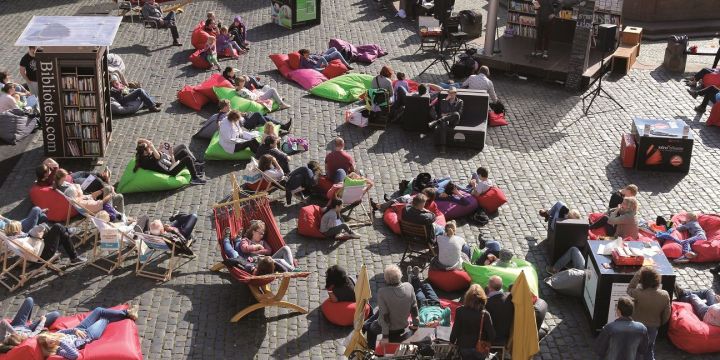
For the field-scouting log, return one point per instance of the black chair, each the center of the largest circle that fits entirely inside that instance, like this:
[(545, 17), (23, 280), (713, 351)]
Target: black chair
[(416, 114), (470, 132), (567, 233), (419, 243)]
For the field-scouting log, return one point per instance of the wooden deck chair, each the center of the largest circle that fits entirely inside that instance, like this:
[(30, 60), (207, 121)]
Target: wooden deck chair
[(237, 214), (111, 247), (419, 244), (354, 192), (82, 222), (151, 250), (22, 257)]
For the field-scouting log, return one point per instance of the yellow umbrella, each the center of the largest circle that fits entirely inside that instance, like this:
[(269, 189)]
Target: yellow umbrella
[(525, 341), (362, 297)]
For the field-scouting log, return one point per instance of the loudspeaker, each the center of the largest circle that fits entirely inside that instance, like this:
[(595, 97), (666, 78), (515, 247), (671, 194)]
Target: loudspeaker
[(606, 37), (443, 9)]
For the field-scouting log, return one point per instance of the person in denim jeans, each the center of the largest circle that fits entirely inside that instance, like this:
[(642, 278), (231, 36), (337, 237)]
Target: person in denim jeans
[(572, 256), (320, 61), (705, 304), (34, 217), (12, 333), (134, 94)]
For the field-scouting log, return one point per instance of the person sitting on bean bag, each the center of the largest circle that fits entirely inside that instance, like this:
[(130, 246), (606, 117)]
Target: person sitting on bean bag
[(430, 313), (253, 245), (320, 61), (9, 99), (302, 179), (261, 95), (417, 214), (396, 302), (705, 304), (19, 329), (571, 259), (453, 251), (338, 163), (124, 95), (36, 216), (225, 42), (67, 343), (238, 30), (149, 158), (43, 240), (90, 181), (695, 232), (251, 82), (479, 184), (452, 193), (340, 286), (332, 225), (620, 221), (492, 251), (270, 147), (233, 138)]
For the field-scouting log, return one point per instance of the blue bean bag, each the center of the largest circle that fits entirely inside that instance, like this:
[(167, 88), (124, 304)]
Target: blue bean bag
[(480, 274), (454, 210), (148, 181), (345, 88)]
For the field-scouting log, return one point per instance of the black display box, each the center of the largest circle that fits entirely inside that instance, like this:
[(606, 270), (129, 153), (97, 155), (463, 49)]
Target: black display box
[(662, 145)]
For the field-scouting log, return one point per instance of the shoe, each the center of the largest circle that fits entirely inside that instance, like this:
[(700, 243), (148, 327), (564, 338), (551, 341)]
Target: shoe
[(550, 270), (155, 109), (180, 10), (386, 197), (350, 68), (690, 255), (175, 43), (226, 232), (354, 236), (284, 106), (692, 93), (417, 272), (409, 273), (374, 205), (535, 53), (544, 215), (700, 109), (545, 55), (132, 312), (715, 270), (286, 126), (197, 181), (78, 260), (679, 292), (342, 237), (681, 260), (72, 231)]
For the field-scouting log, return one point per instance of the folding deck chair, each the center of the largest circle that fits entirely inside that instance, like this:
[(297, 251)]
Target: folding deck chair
[(10, 249), (112, 245), (256, 181), (236, 214), (151, 251), (354, 193), (82, 223)]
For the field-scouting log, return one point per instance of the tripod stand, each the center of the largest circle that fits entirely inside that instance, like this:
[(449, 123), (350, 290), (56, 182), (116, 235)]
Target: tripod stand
[(598, 90), (440, 58)]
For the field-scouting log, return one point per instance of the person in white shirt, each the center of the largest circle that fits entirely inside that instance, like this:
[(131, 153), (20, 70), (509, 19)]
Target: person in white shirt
[(480, 184), (8, 101), (481, 81), (233, 137), (264, 93), (452, 249)]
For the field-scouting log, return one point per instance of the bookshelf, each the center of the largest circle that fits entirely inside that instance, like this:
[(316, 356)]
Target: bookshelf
[(75, 101)]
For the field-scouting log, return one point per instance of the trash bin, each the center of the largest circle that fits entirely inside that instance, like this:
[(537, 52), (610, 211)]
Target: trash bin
[(675, 56)]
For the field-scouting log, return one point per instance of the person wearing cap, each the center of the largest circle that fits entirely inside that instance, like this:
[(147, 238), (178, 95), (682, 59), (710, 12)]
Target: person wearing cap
[(446, 116), (125, 95)]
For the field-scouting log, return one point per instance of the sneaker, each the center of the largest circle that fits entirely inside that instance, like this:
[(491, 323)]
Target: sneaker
[(550, 270), (286, 126), (284, 106), (681, 260), (545, 55), (154, 109), (374, 205), (690, 255), (132, 312), (692, 93), (78, 260), (158, 104), (72, 231), (679, 292), (342, 237), (700, 109), (197, 181), (544, 214), (715, 270), (386, 197), (417, 272), (175, 43), (535, 53), (350, 68)]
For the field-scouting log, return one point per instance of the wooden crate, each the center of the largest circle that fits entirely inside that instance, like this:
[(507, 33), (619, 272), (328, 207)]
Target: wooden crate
[(632, 35), (624, 58)]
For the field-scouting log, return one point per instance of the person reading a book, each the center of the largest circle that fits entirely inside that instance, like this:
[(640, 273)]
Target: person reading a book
[(233, 138), (170, 162)]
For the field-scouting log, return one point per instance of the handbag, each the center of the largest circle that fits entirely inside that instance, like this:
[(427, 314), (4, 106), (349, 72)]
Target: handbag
[(481, 345)]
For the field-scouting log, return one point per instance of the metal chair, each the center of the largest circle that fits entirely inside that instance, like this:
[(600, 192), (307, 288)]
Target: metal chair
[(150, 25)]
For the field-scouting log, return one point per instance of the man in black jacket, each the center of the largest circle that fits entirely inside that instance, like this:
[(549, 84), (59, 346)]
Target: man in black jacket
[(417, 214), (501, 309)]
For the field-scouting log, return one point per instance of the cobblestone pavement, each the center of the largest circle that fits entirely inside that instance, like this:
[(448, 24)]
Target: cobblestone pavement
[(548, 152)]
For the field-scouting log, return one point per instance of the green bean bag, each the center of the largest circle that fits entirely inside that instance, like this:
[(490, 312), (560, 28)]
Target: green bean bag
[(481, 274), (345, 88), (148, 181), (241, 104), (216, 152)]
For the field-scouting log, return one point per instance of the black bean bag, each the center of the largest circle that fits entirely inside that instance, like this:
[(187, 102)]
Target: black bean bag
[(130, 108), (15, 126)]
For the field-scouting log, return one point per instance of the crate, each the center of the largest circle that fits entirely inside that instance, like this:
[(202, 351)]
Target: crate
[(624, 58), (632, 35)]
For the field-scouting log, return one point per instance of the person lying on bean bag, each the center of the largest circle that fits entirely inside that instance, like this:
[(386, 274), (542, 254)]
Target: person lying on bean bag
[(340, 287), (262, 95), (705, 304), (695, 233), (320, 61), (149, 158), (430, 313), (20, 328)]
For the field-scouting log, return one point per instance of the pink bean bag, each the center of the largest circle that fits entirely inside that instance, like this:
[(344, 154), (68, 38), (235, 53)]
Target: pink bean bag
[(491, 200), (206, 87), (120, 341), (453, 210), (341, 313), (282, 63), (45, 197), (191, 98), (393, 215), (691, 334), (334, 69), (199, 36), (199, 61), (495, 119), (453, 280), (307, 78), (706, 250), (309, 222), (229, 52), (412, 85)]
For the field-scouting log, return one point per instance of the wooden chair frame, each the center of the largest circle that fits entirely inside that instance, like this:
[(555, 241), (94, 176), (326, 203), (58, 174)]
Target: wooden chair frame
[(155, 253), (416, 233), (264, 294), (366, 215), (23, 257), (82, 223), (125, 247)]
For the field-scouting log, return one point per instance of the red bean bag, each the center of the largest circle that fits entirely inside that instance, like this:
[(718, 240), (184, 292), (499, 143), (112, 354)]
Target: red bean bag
[(495, 119), (294, 60), (282, 63), (412, 85), (307, 78), (191, 98), (714, 118), (691, 334), (206, 87), (594, 234), (45, 197), (120, 341), (309, 222), (706, 250), (199, 61), (229, 52), (341, 313), (199, 36), (453, 280), (393, 215), (453, 210), (711, 79), (334, 69), (491, 200)]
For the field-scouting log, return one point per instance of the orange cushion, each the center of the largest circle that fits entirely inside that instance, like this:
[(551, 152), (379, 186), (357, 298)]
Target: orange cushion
[(294, 60), (691, 334), (341, 313), (335, 68), (191, 98), (453, 280), (324, 184), (309, 222), (199, 61), (491, 200), (714, 118), (199, 36)]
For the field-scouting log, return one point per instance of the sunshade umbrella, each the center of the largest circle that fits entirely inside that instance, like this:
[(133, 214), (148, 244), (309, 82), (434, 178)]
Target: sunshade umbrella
[(362, 297), (525, 341)]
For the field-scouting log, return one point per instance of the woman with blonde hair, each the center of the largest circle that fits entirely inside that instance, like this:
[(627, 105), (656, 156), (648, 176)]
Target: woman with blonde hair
[(14, 332), (620, 221), (43, 240), (469, 318), (452, 249), (68, 342)]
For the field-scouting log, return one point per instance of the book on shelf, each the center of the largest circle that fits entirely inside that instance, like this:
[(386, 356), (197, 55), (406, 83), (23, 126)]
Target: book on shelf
[(71, 99), (522, 6), (73, 148), (69, 82), (91, 147), (90, 132), (88, 116), (86, 84), (521, 30), (72, 130), (521, 19), (87, 100)]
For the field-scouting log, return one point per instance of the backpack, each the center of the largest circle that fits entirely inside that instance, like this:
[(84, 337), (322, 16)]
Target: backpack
[(480, 217), (464, 67), (422, 181), (294, 145)]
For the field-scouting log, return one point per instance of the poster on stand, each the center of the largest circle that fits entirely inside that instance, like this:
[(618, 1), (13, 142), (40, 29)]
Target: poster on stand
[(617, 291)]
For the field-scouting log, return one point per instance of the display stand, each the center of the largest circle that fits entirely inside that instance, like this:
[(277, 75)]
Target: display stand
[(662, 145), (604, 286), (74, 88), (295, 13)]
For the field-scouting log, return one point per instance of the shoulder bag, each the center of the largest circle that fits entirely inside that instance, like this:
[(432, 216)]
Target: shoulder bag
[(482, 346)]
